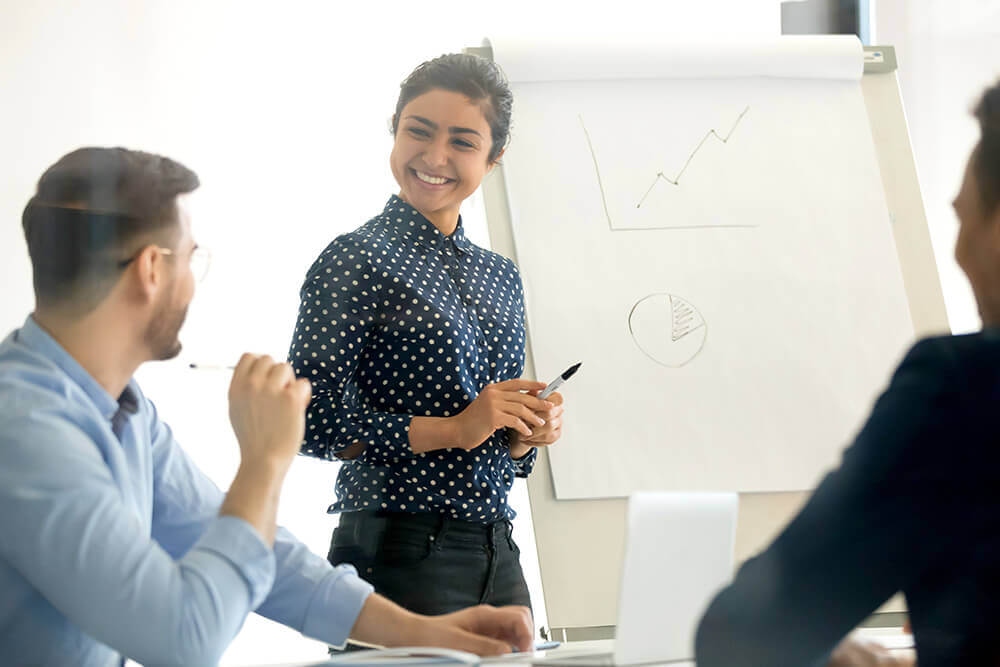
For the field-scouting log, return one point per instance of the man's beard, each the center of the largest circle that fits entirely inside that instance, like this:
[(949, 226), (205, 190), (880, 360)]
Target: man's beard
[(162, 332)]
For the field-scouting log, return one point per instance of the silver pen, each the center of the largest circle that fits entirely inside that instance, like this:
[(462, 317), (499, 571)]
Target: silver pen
[(555, 384)]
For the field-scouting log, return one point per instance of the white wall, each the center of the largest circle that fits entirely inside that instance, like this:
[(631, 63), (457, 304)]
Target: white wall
[(283, 110), (948, 52)]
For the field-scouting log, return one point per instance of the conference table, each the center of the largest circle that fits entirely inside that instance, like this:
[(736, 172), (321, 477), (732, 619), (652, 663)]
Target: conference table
[(892, 638)]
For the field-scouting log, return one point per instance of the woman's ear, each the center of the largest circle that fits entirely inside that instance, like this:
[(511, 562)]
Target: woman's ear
[(495, 160)]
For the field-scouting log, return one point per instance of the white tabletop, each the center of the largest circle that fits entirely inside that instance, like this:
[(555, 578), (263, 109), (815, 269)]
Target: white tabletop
[(892, 638)]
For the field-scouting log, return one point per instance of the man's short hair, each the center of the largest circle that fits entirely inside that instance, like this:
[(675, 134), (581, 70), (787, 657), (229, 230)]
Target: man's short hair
[(92, 210), (987, 161)]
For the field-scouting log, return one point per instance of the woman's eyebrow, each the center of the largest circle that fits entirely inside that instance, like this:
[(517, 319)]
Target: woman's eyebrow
[(451, 130)]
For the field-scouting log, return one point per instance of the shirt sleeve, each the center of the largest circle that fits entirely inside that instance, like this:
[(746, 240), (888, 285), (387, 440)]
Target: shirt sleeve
[(69, 532), (337, 314), (852, 545), (308, 594), (524, 465)]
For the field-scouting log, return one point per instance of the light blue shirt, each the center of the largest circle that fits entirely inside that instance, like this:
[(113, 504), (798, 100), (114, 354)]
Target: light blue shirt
[(112, 545)]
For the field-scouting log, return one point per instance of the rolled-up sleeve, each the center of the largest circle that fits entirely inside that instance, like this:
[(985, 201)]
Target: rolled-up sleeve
[(312, 596), (337, 312), (308, 594), (68, 531), (524, 465)]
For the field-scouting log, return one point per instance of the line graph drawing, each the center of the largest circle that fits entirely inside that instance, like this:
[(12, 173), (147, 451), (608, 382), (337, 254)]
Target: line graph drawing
[(668, 329), (660, 175), (677, 179)]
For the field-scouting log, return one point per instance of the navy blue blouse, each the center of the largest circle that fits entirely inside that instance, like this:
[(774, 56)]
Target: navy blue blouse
[(398, 320)]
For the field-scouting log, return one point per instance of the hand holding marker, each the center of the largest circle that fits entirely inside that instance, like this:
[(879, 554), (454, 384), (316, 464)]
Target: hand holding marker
[(555, 384)]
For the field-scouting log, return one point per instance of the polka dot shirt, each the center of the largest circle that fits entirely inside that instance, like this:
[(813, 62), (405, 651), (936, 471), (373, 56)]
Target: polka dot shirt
[(398, 320)]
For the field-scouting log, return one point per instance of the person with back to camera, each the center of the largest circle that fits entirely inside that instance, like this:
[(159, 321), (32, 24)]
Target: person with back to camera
[(413, 340), (914, 506)]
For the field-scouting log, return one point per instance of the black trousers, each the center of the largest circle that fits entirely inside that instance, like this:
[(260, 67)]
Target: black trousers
[(429, 563)]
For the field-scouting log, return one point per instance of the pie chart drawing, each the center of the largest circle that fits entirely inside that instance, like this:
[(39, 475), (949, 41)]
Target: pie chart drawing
[(667, 329)]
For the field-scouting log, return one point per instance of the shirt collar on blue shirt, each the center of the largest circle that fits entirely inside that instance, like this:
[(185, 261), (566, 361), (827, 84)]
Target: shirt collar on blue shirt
[(422, 230), (33, 336)]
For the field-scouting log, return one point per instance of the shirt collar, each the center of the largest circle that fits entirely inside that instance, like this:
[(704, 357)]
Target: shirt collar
[(37, 339), (421, 230)]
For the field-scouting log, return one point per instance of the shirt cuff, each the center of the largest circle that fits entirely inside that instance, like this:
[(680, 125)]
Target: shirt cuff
[(524, 465), (238, 542), (387, 439), (336, 605)]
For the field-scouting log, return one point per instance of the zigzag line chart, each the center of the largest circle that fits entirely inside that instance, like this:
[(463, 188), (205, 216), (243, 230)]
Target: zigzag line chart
[(661, 176), (676, 180)]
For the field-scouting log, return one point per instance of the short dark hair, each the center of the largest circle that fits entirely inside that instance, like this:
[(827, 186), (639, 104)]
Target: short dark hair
[(987, 161), (477, 78), (92, 210)]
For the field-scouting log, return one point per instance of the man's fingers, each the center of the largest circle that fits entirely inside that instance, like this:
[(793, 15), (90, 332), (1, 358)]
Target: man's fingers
[(518, 627), (259, 368), (511, 625), (303, 391), (481, 645), (242, 368), (279, 376)]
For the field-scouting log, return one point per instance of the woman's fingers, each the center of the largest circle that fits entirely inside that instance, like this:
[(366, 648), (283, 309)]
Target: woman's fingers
[(529, 401), (523, 412), (520, 385), (510, 421)]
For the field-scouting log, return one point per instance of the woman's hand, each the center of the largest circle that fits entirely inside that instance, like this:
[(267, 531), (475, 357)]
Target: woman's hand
[(502, 405), (543, 436)]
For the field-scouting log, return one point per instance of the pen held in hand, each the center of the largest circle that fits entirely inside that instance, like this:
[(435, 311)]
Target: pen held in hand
[(211, 367), (555, 384)]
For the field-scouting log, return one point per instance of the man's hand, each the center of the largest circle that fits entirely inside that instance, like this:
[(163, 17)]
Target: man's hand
[(501, 405), (857, 652), (543, 435), (267, 408), (482, 630)]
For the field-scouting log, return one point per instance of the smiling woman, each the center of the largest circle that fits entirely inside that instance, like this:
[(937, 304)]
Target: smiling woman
[(413, 339)]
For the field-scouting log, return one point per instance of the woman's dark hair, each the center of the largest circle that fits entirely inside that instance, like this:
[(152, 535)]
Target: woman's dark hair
[(92, 210), (477, 78), (987, 161)]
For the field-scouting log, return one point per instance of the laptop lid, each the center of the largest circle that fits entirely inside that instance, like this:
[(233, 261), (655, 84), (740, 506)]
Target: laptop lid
[(678, 554)]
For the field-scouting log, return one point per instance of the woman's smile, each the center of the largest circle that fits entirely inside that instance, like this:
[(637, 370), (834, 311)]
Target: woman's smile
[(430, 179)]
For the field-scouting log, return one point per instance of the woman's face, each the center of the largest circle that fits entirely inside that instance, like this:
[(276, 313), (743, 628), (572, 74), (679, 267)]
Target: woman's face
[(439, 156)]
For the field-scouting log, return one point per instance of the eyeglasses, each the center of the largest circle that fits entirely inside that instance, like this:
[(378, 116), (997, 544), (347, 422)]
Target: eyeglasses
[(201, 259)]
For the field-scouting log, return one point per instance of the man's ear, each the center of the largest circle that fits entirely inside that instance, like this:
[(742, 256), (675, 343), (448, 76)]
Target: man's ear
[(147, 273)]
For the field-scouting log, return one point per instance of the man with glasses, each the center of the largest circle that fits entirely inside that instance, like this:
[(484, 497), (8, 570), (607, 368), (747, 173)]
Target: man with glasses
[(114, 544)]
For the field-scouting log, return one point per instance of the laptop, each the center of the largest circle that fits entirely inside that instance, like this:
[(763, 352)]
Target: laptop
[(678, 555)]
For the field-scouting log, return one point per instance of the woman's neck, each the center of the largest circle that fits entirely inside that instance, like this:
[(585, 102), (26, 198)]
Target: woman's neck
[(445, 220)]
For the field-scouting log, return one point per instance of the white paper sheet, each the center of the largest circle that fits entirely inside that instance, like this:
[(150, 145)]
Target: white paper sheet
[(571, 57), (736, 326)]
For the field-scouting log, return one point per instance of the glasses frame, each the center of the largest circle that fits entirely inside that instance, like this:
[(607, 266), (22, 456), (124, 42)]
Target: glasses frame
[(198, 250)]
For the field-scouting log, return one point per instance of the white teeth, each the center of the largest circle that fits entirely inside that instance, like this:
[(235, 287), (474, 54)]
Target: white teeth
[(427, 178)]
